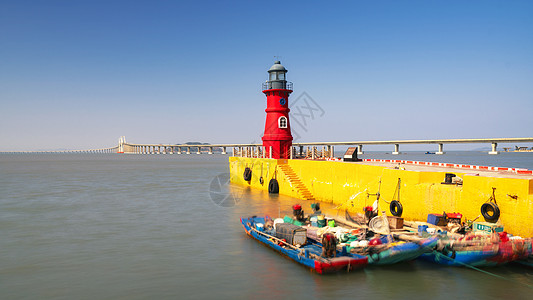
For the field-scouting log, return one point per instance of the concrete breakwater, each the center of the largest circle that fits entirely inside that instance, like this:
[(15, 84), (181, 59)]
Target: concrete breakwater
[(420, 189)]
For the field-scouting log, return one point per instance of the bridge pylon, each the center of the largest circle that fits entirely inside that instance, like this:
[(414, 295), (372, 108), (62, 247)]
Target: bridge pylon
[(121, 142)]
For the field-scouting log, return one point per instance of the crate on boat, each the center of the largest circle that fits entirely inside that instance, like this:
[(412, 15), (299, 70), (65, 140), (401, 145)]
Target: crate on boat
[(294, 235), (486, 227), (395, 222), (437, 219)]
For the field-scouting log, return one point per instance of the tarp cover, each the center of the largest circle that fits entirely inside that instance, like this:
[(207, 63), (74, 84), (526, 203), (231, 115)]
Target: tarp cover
[(293, 234)]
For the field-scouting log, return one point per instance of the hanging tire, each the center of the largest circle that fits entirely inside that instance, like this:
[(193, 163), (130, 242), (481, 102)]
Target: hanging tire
[(247, 174), (273, 186), (396, 208), (490, 211)]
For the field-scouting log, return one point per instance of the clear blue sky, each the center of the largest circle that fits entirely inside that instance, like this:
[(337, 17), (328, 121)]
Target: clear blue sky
[(79, 74)]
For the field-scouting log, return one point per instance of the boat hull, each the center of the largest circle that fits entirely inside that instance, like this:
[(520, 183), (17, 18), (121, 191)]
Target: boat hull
[(493, 255), (402, 252), (308, 255)]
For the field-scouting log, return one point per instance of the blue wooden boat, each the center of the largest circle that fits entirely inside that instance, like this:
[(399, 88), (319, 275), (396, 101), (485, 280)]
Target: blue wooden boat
[(509, 251), (308, 255), (460, 258), (391, 250), (487, 255), (400, 252)]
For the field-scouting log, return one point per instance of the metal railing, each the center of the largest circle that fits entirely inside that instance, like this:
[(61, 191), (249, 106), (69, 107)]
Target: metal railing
[(270, 85)]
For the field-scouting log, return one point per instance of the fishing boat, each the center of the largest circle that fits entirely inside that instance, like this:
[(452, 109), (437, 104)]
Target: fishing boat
[(460, 258), (379, 249), (308, 253), (397, 252), (480, 251)]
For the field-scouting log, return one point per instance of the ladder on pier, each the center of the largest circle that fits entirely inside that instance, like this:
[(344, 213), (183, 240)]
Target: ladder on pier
[(295, 182)]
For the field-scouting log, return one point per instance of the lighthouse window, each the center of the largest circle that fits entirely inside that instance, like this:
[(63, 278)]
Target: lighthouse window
[(273, 76), (281, 76), (282, 122)]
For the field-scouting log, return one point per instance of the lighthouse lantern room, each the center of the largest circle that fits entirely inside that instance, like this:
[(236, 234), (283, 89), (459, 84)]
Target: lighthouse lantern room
[(277, 138)]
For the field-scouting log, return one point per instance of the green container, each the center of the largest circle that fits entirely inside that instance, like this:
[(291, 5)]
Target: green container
[(288, 219), (321, 223), (331, 223), (297, 223)]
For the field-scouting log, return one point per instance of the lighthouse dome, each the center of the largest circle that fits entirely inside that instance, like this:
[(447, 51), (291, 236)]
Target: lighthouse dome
[(276, 67)]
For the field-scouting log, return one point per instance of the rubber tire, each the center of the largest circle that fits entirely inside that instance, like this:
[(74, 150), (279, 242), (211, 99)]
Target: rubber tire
[(273, 186), (489, 206), (396, 208), (247, 174)]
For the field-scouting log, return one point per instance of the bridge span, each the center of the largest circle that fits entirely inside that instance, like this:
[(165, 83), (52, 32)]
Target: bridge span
[(326, 148), (86, 151), (314, 149)]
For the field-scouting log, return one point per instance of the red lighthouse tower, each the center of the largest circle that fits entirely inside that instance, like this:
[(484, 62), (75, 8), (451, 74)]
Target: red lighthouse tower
[(277, 137)]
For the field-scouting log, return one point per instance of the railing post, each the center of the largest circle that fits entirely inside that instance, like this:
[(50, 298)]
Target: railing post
[(270, 152), (360, 150), (291, 152)]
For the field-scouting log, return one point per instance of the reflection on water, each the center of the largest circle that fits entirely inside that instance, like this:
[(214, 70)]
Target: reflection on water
[(138, 227)]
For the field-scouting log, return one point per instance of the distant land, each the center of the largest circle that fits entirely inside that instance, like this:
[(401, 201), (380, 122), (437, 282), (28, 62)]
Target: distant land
[(193, 143)]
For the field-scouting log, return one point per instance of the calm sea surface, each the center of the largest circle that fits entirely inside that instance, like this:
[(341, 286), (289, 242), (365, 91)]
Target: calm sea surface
[(110, 226)]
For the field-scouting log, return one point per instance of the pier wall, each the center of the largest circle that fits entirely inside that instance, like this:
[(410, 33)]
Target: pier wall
[(353, 186)]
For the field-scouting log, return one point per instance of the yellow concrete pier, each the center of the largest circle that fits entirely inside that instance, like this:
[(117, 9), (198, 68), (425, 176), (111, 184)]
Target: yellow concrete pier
[(353, 185)]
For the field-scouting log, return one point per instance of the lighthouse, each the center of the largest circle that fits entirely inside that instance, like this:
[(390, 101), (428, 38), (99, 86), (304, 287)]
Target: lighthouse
[(277, 138)]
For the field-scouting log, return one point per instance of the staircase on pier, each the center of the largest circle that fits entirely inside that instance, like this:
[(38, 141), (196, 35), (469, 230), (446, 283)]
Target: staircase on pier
[(295, 182)]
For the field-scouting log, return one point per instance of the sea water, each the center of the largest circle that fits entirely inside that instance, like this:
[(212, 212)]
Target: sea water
[(110, 226)]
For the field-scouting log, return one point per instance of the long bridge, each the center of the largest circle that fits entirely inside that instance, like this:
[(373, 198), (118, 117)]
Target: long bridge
[(257, 150)]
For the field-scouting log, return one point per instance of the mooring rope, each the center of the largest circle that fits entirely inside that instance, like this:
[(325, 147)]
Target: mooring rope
[(480, 270)]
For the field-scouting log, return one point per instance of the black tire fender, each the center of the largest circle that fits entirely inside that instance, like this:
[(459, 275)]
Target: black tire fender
[(396, 208), (247, 174), (273, 186), (488, 207)]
